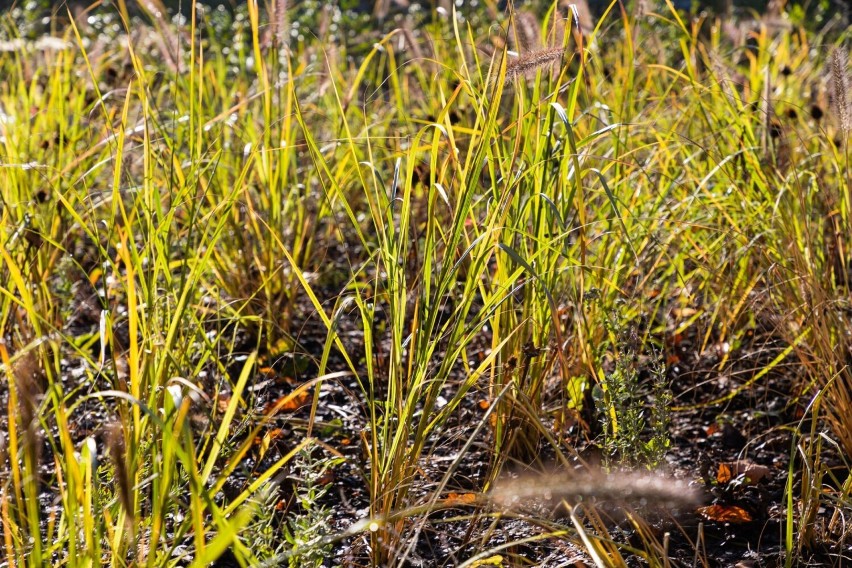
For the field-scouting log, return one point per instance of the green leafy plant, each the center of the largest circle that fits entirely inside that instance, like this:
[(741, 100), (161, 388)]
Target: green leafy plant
[(634, 417), (308, 531)]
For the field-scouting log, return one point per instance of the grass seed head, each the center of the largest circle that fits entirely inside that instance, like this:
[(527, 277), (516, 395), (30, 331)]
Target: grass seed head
[(525, 32), (532, 61), (117, 449), (279, 24), (29, 382), (840, 88), (621, 487)]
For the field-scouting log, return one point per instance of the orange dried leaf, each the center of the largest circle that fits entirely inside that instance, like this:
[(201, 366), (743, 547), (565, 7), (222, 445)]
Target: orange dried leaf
[(289, 403), (724, 474), (326, 478), (222, 402), (95, 276), (460, 499), (266, 441), (274, 434), (752, 472), (725, 514)]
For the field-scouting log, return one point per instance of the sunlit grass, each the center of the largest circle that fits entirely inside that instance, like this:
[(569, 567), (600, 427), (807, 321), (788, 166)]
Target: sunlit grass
[(526, 230)]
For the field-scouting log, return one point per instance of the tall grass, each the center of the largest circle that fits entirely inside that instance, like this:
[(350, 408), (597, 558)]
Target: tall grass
[(462, 224)]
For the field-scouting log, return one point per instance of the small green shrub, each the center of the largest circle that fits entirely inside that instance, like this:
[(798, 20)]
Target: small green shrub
[(308, 531), (634, 417)]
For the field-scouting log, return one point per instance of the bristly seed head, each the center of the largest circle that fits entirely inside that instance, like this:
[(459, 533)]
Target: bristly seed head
[(617, 487), (117, 453), (840, 88), (525, 32), (29, 382), (280, 32), (532, 61)]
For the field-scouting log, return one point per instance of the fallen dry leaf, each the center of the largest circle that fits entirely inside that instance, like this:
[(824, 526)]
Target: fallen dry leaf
[(270, 374), (266, 441), (725, 474), (725, 514), (222, 402), (460, 499), (269, 436), (289, 403), (751, 472), (684, 312), (326, 478)]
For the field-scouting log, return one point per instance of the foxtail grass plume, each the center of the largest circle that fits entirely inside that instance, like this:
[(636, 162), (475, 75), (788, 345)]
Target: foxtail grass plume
[(117, 454), (29, 382), (840, 88), (532, 61), (30, 385), (724, 80), (409, 42), (279, 24), (616, 487), (525, 32), (168, 42)]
